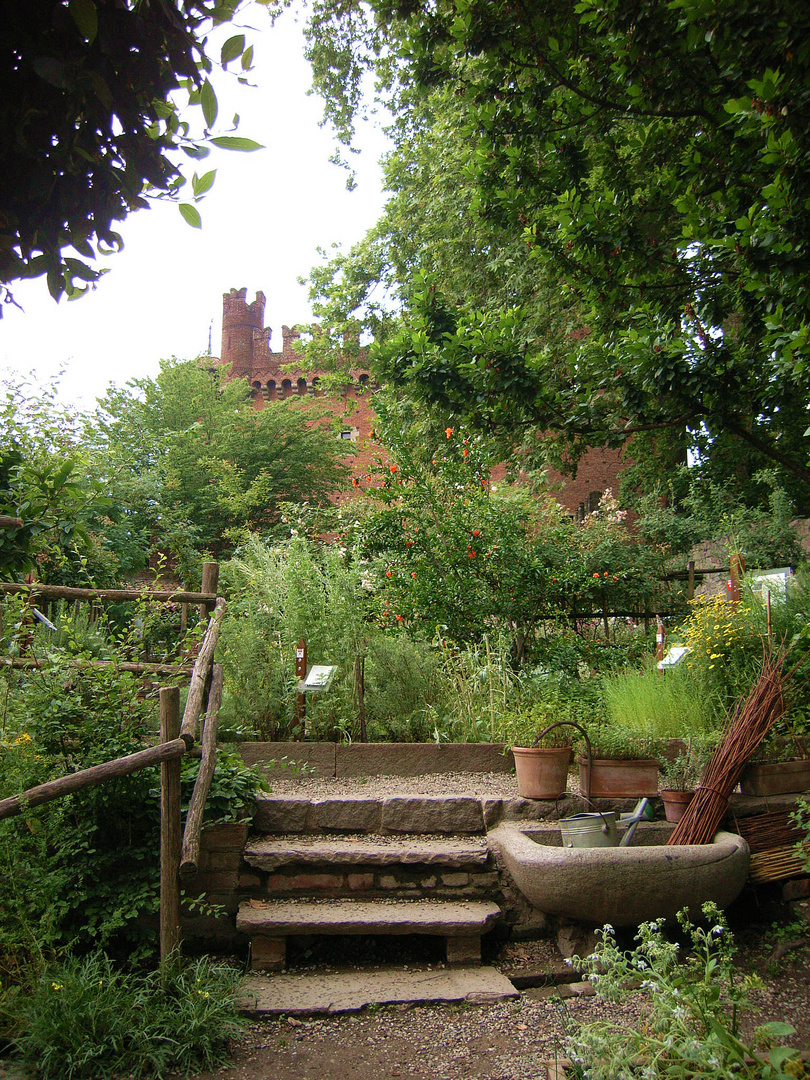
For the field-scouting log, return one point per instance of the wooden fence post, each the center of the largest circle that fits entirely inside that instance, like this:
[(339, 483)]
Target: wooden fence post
[(210, 584), (690, 588), (170, 834)]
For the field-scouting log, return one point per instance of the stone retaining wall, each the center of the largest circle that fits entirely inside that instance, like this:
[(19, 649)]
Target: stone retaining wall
[(336, 760)]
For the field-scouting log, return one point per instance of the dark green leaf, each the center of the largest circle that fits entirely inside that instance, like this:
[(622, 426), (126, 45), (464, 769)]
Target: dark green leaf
[(84, 14)]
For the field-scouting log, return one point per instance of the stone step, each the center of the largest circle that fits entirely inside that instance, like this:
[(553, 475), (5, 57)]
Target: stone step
[(346, 991), (270, 922), (395, 814), (404, 814), (269, 855)]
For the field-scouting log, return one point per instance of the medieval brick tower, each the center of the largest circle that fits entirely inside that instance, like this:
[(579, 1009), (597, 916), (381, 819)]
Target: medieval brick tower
[(276, 376)]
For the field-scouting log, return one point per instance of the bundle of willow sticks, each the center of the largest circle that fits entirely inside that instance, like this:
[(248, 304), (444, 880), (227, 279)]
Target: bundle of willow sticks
[(748, 725)]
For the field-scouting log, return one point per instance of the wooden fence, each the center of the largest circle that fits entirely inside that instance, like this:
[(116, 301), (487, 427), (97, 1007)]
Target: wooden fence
[(179, 851)]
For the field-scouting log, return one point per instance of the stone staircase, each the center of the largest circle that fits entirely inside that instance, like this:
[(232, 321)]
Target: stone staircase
[(363, 867)]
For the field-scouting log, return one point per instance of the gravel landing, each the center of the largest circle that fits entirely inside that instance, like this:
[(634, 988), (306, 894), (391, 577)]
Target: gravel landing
[(479, 785)]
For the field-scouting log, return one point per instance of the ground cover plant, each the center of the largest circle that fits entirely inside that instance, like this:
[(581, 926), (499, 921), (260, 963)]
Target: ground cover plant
[(694, 1003)]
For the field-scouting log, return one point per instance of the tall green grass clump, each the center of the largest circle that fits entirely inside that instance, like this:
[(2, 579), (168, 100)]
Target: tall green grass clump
[(87, 1019)]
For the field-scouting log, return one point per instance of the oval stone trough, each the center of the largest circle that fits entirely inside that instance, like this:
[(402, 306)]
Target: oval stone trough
[(621, 886)]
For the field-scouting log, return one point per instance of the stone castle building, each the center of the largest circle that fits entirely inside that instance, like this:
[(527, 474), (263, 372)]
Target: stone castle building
[(276, 376)]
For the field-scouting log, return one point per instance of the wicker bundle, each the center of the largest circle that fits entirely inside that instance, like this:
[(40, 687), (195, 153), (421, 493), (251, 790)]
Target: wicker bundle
[(750, 722)]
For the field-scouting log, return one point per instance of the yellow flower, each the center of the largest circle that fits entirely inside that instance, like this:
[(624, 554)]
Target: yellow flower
[(56, 986)]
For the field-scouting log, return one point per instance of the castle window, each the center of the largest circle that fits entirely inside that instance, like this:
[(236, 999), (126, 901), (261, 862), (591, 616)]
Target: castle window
[(346, 435), (302, 386)]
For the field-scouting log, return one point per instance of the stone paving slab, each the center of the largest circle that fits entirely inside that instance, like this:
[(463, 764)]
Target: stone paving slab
[(270, 854), (284, 917), (264, 995)]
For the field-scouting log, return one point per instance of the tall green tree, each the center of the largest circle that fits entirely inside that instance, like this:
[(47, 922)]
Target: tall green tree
[(198, 467), (654, 160)]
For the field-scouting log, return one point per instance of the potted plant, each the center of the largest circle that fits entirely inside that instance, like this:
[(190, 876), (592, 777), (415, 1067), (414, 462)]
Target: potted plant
[(624, 763), (542, 757), (679, 778)]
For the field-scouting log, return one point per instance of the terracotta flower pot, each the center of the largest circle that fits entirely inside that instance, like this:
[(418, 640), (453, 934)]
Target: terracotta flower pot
[(616, 779), (776, 778), (675, 803), (542, 771)]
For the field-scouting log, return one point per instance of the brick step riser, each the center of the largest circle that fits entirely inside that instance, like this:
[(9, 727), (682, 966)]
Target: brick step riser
[(373, 882)]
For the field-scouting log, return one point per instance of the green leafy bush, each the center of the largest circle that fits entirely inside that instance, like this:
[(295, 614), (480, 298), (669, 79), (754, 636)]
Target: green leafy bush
[(83, 871)]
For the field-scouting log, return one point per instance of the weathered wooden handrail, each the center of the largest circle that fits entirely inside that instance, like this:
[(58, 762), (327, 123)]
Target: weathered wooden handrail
[(134, 666), (67, 592), (199, 677), (96, 774), (190, 853)]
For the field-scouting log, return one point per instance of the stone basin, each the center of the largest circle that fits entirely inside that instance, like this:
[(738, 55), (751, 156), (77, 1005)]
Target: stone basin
[(620, 886)]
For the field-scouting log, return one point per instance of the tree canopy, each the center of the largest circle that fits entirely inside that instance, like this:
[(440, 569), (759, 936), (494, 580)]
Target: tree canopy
[(651, 163), (196, 468), (90, 115)]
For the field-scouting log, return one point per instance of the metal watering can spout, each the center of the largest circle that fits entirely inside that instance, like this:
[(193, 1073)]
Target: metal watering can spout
[(632, 823)]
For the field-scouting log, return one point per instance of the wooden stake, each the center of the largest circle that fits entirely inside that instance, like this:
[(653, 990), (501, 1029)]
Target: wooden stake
[(360, 683), (300, 699), (169, 828)]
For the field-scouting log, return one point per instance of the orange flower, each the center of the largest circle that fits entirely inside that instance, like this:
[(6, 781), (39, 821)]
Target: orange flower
[(355, 482), (400, 618), (413, 573), (389, 573), (464, 452), (476, 532), (448, 432), (596, 574), (392, 468), (471, 554), (409, 543)]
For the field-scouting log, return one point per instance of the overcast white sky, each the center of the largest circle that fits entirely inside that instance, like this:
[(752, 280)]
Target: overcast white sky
[(265, 217)]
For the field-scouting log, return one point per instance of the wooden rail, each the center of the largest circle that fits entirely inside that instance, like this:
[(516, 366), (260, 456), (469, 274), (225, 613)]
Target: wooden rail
[(97, 774), (190, 852), (67, 592), (135, 666), (198, 690)]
